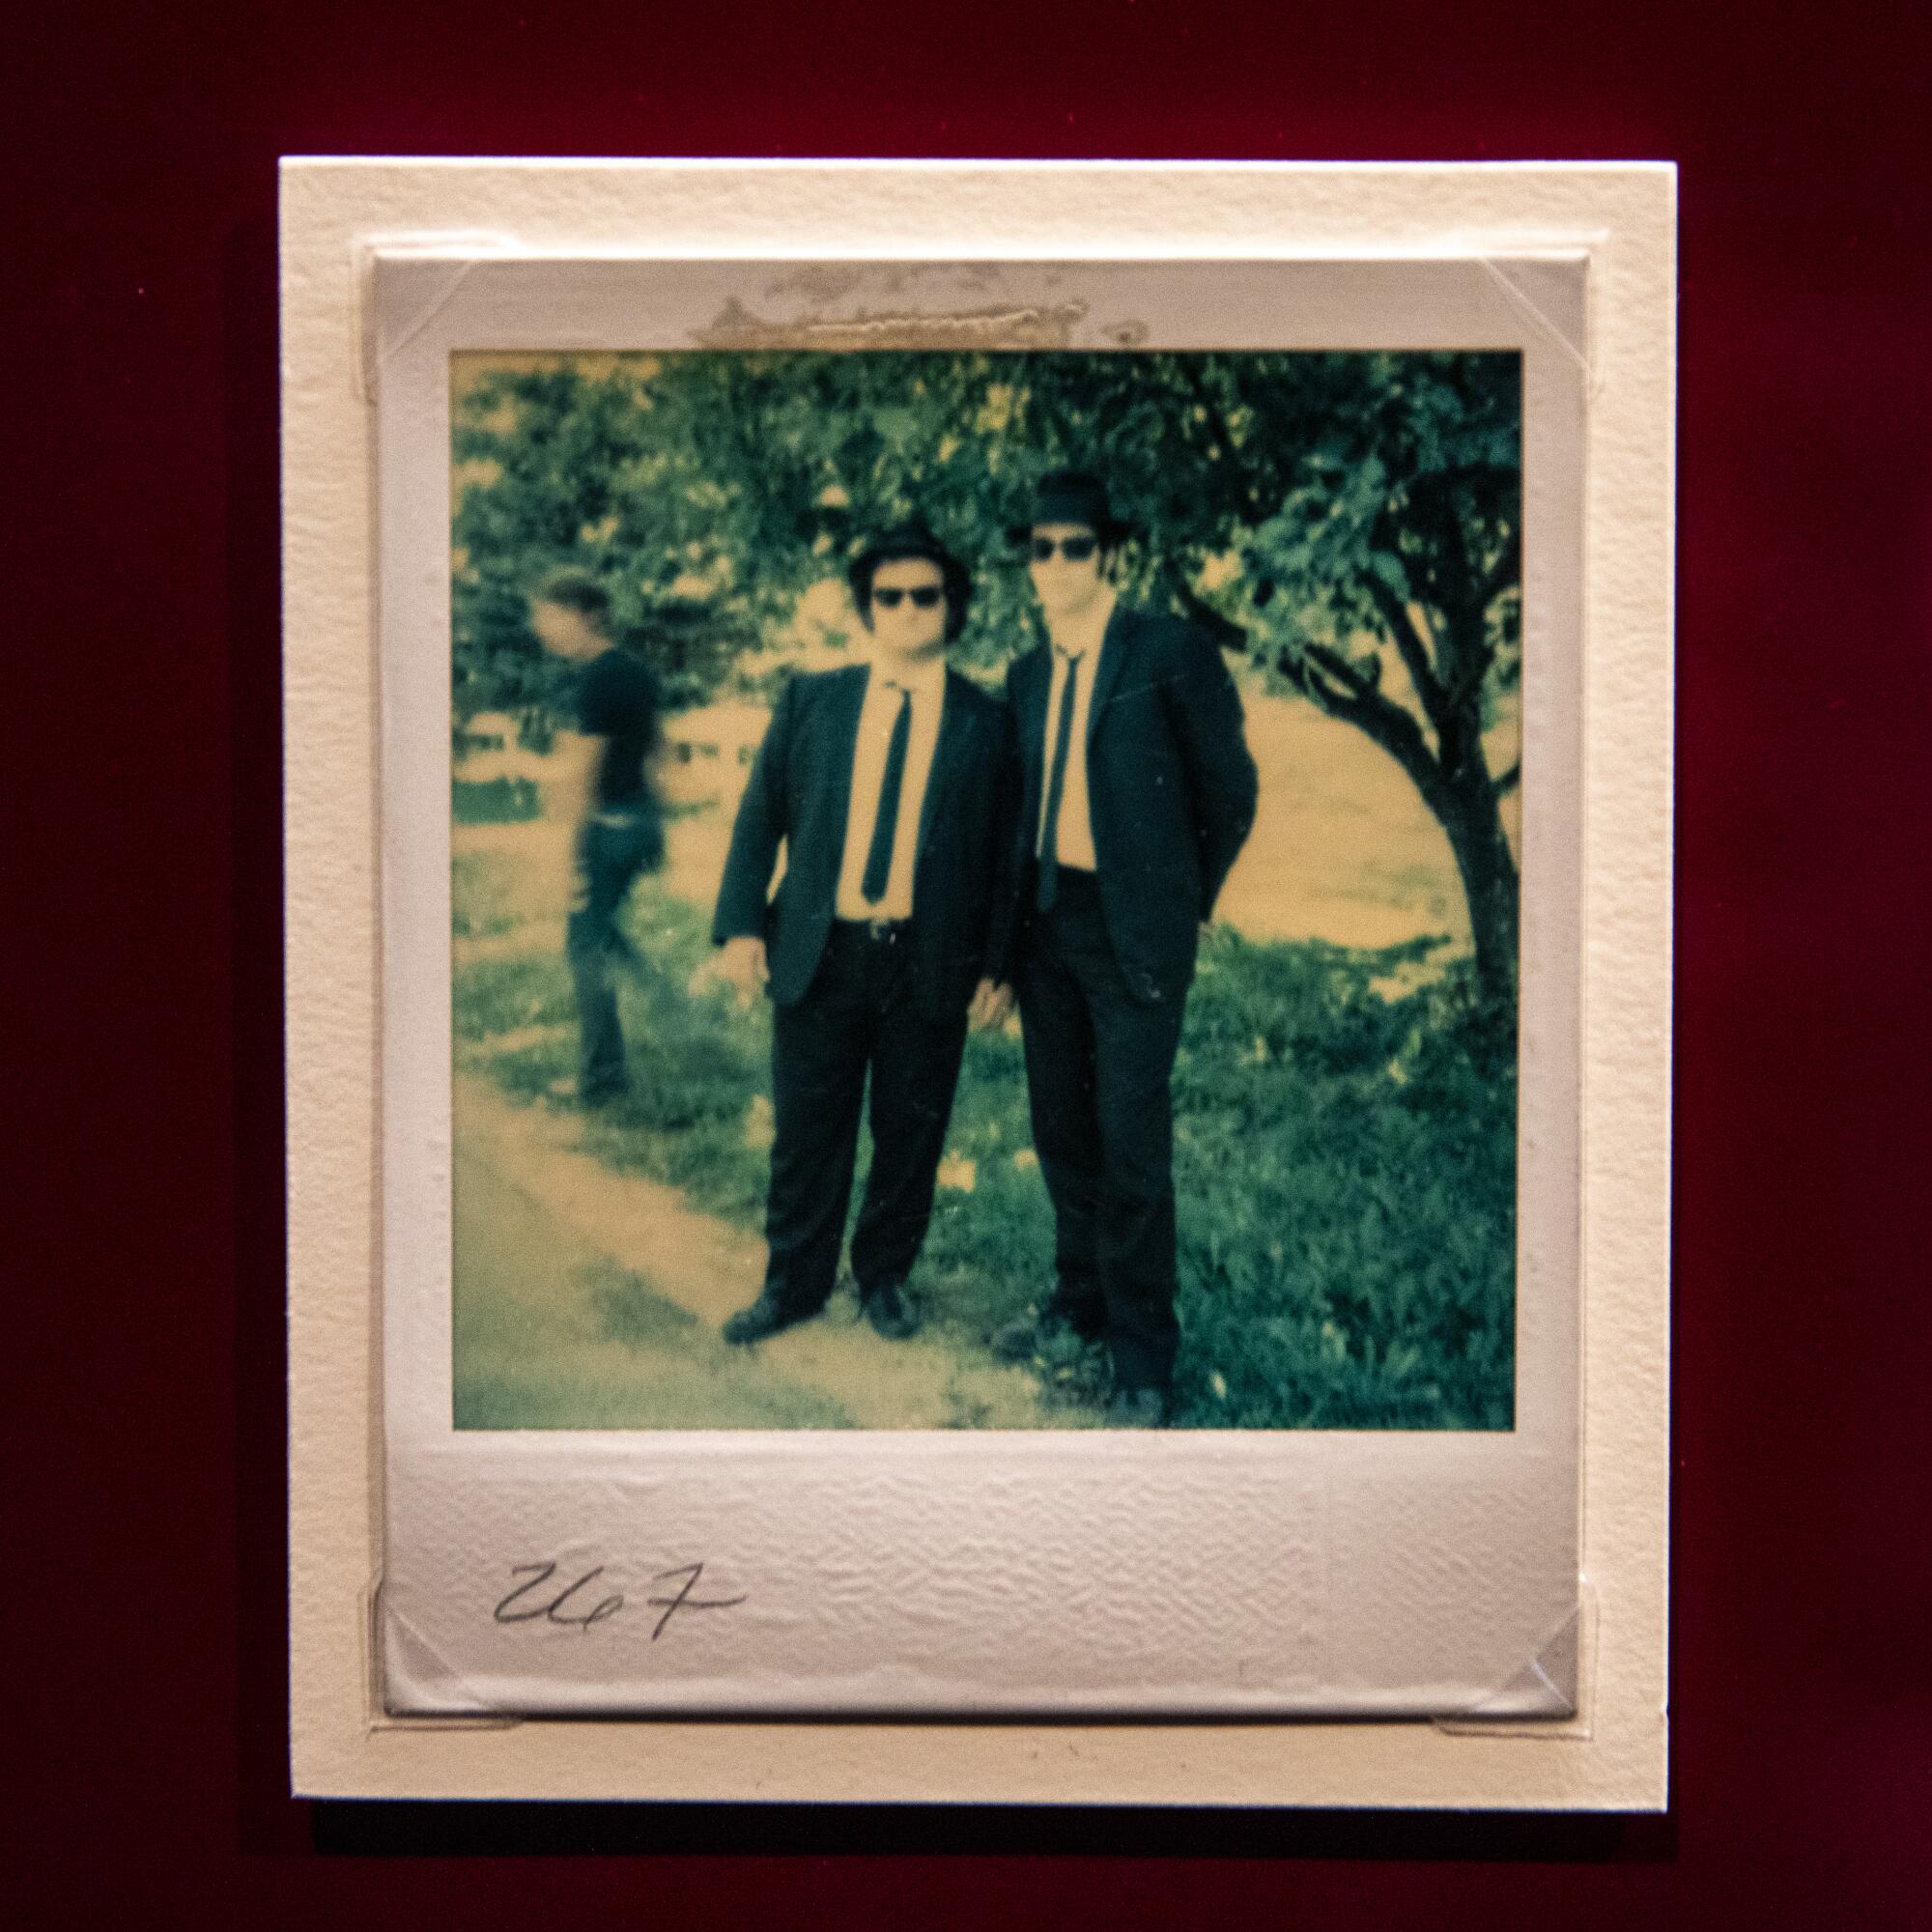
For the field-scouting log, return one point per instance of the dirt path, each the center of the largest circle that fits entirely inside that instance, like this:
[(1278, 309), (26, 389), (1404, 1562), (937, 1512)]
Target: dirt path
[(587, 1299)]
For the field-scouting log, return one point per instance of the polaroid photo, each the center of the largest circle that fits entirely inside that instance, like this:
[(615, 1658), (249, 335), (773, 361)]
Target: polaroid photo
[(994, 971)]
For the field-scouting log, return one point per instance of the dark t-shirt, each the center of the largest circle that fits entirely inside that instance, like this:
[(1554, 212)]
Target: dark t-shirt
[(618, 702)]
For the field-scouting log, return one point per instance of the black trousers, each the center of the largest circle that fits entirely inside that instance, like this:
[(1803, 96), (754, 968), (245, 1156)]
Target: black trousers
[(859, 1013), (611, 849), (1098, 1062)]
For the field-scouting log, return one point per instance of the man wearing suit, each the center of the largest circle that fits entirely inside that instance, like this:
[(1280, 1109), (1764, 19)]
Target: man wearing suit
[(891, 786), (1139, 792)]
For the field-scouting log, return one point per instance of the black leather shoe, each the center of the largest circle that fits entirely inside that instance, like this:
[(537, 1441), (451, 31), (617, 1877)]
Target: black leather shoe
[(1139, 1408), (765, 1317), (888, 1310)]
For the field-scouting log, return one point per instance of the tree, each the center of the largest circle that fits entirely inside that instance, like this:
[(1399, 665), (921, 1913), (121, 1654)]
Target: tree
[(554, 466), (1396, 542), (1351, 521), (1356, 520)]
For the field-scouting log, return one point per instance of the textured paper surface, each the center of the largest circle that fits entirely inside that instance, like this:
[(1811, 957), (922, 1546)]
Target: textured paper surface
[(1613, 1754)]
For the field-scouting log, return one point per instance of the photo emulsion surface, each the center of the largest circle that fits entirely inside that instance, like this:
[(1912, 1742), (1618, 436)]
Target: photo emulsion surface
[(985, 889)]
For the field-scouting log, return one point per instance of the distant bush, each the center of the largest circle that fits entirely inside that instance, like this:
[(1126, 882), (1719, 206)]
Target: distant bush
[(502, 801)]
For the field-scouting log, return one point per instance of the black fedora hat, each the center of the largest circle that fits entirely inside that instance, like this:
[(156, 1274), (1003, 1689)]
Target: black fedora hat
[(1072, 496), (900, 544)]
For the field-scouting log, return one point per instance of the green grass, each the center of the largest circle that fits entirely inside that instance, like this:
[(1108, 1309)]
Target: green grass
[(1349, 1261), (1344, 1163), (480, 897)]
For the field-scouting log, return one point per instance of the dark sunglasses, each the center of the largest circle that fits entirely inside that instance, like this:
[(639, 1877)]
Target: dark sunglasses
[(1075, 549), (923, 598)]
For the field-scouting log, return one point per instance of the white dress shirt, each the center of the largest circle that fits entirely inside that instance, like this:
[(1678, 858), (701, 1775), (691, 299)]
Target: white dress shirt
[(926, 681), (1077, 641)]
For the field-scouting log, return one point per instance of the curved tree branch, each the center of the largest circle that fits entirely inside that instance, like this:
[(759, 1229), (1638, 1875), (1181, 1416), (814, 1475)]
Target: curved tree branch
[(1411, 644), (1346, 692), (1470, 682)]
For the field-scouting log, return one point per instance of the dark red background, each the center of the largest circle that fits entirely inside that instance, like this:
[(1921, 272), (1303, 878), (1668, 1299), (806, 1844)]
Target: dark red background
[(143, 1354)]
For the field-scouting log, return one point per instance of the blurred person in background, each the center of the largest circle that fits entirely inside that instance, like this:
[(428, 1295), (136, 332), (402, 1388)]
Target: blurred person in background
[(605, 788)]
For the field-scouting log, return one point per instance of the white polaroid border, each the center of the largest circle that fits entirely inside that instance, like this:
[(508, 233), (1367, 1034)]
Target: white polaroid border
[(1060, 1576), (1406, 1573)]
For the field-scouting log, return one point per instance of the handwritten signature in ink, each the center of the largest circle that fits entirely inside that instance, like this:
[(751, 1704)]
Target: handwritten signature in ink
[(577, 1605)]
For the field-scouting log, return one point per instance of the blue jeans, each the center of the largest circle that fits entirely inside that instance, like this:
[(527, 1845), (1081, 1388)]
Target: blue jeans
[(611, 849)]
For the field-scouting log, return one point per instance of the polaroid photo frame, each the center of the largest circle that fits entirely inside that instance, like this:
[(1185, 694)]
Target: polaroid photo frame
[(962, 1611)]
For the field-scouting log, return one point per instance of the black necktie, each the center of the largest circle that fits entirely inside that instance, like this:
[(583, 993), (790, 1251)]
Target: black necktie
[(1048, 889), (879, 857)]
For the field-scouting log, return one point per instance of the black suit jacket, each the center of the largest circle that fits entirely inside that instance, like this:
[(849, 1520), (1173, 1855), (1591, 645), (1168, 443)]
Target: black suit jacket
[(1170, 781), (799, 791)]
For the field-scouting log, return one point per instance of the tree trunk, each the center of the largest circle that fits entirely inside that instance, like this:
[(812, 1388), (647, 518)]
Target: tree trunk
[(1453, 775), (1465, 805)]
